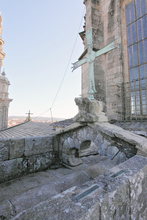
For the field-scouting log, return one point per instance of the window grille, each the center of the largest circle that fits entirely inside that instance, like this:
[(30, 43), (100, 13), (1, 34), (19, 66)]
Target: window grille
[(136, 89)]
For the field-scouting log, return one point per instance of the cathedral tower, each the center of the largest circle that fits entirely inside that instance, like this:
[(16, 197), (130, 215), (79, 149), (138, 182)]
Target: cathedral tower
[(120, 74), (4, 84)]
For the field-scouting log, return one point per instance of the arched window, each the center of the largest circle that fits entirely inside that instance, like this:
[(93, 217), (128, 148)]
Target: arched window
[(136, 21)]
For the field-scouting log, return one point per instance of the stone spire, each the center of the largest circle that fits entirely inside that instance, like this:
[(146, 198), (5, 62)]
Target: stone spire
[(4, 84)]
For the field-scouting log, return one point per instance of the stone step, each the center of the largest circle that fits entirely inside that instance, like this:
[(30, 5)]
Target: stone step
[(28, 191)]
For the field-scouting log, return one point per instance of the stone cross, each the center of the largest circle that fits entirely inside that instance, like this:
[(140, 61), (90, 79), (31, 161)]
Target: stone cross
[(90, 58)]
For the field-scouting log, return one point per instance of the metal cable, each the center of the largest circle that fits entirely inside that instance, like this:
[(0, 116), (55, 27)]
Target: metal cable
[(64, 74)]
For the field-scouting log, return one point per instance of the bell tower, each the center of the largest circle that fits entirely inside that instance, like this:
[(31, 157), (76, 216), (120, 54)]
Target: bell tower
[(2, 54), (4, 85)]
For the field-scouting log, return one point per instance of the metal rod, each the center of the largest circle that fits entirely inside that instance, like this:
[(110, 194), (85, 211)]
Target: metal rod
[(115, 155)]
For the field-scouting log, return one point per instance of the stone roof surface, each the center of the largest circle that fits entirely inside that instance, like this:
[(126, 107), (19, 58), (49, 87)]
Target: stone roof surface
[(29, 129)]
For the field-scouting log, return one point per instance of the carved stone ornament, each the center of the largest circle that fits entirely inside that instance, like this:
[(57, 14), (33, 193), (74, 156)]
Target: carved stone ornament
[(90, 111)]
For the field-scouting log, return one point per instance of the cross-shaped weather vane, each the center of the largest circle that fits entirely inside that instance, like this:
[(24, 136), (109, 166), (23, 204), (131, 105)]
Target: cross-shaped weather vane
[(90, 58)]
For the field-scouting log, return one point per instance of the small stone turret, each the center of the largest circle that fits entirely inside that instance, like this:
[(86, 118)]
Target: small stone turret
[(4, 85), (4, 101)]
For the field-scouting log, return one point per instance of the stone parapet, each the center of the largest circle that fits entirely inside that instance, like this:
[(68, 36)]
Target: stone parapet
[(66, 146), (25, 155), (119, 134), (119, 195)]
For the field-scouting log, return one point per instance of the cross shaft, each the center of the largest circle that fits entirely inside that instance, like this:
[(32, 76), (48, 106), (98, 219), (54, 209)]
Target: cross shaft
[(90, 57)]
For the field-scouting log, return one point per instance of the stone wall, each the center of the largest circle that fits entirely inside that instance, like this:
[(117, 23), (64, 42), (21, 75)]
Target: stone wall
[(88, 141), (112, 61), (19, 157), (25, 155), (101, 138), (120, 195)]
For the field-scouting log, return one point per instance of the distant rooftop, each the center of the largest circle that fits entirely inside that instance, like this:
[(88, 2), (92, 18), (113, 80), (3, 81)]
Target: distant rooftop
[(29, 129)]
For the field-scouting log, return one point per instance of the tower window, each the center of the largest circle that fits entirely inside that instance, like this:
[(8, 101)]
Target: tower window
[(136, 19)]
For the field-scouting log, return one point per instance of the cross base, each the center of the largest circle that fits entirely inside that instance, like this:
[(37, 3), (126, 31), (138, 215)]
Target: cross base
[(90, 111)]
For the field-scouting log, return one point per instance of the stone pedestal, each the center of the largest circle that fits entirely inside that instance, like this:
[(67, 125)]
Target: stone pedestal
[(90, 111)]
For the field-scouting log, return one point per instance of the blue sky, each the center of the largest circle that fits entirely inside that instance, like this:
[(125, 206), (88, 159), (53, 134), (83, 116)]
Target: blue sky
[(39, 36)]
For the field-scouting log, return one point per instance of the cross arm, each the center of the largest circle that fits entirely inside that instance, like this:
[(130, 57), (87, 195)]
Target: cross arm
[(78, 63), (106, 49)]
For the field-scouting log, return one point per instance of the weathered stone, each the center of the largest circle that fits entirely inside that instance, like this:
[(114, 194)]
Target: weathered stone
[(88, 148), (114, 131), (112, 150), (33, 196), (4, 149), (45, 211), (7, 210), (71, 159), (4, 143), (17, 148), (116, 155), (10, 169), (47, 143), (32, 146), (112, 199), (39, 162), (141, 153), (103, 148), (37, 145), (4, 153), (43, 161), (96, 170), (120, 192), (90, 111), (21, 159), (111, 16), (116, 205), (74, 179), (68, 144), (138, 194), (120, 158), (72, 144)]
